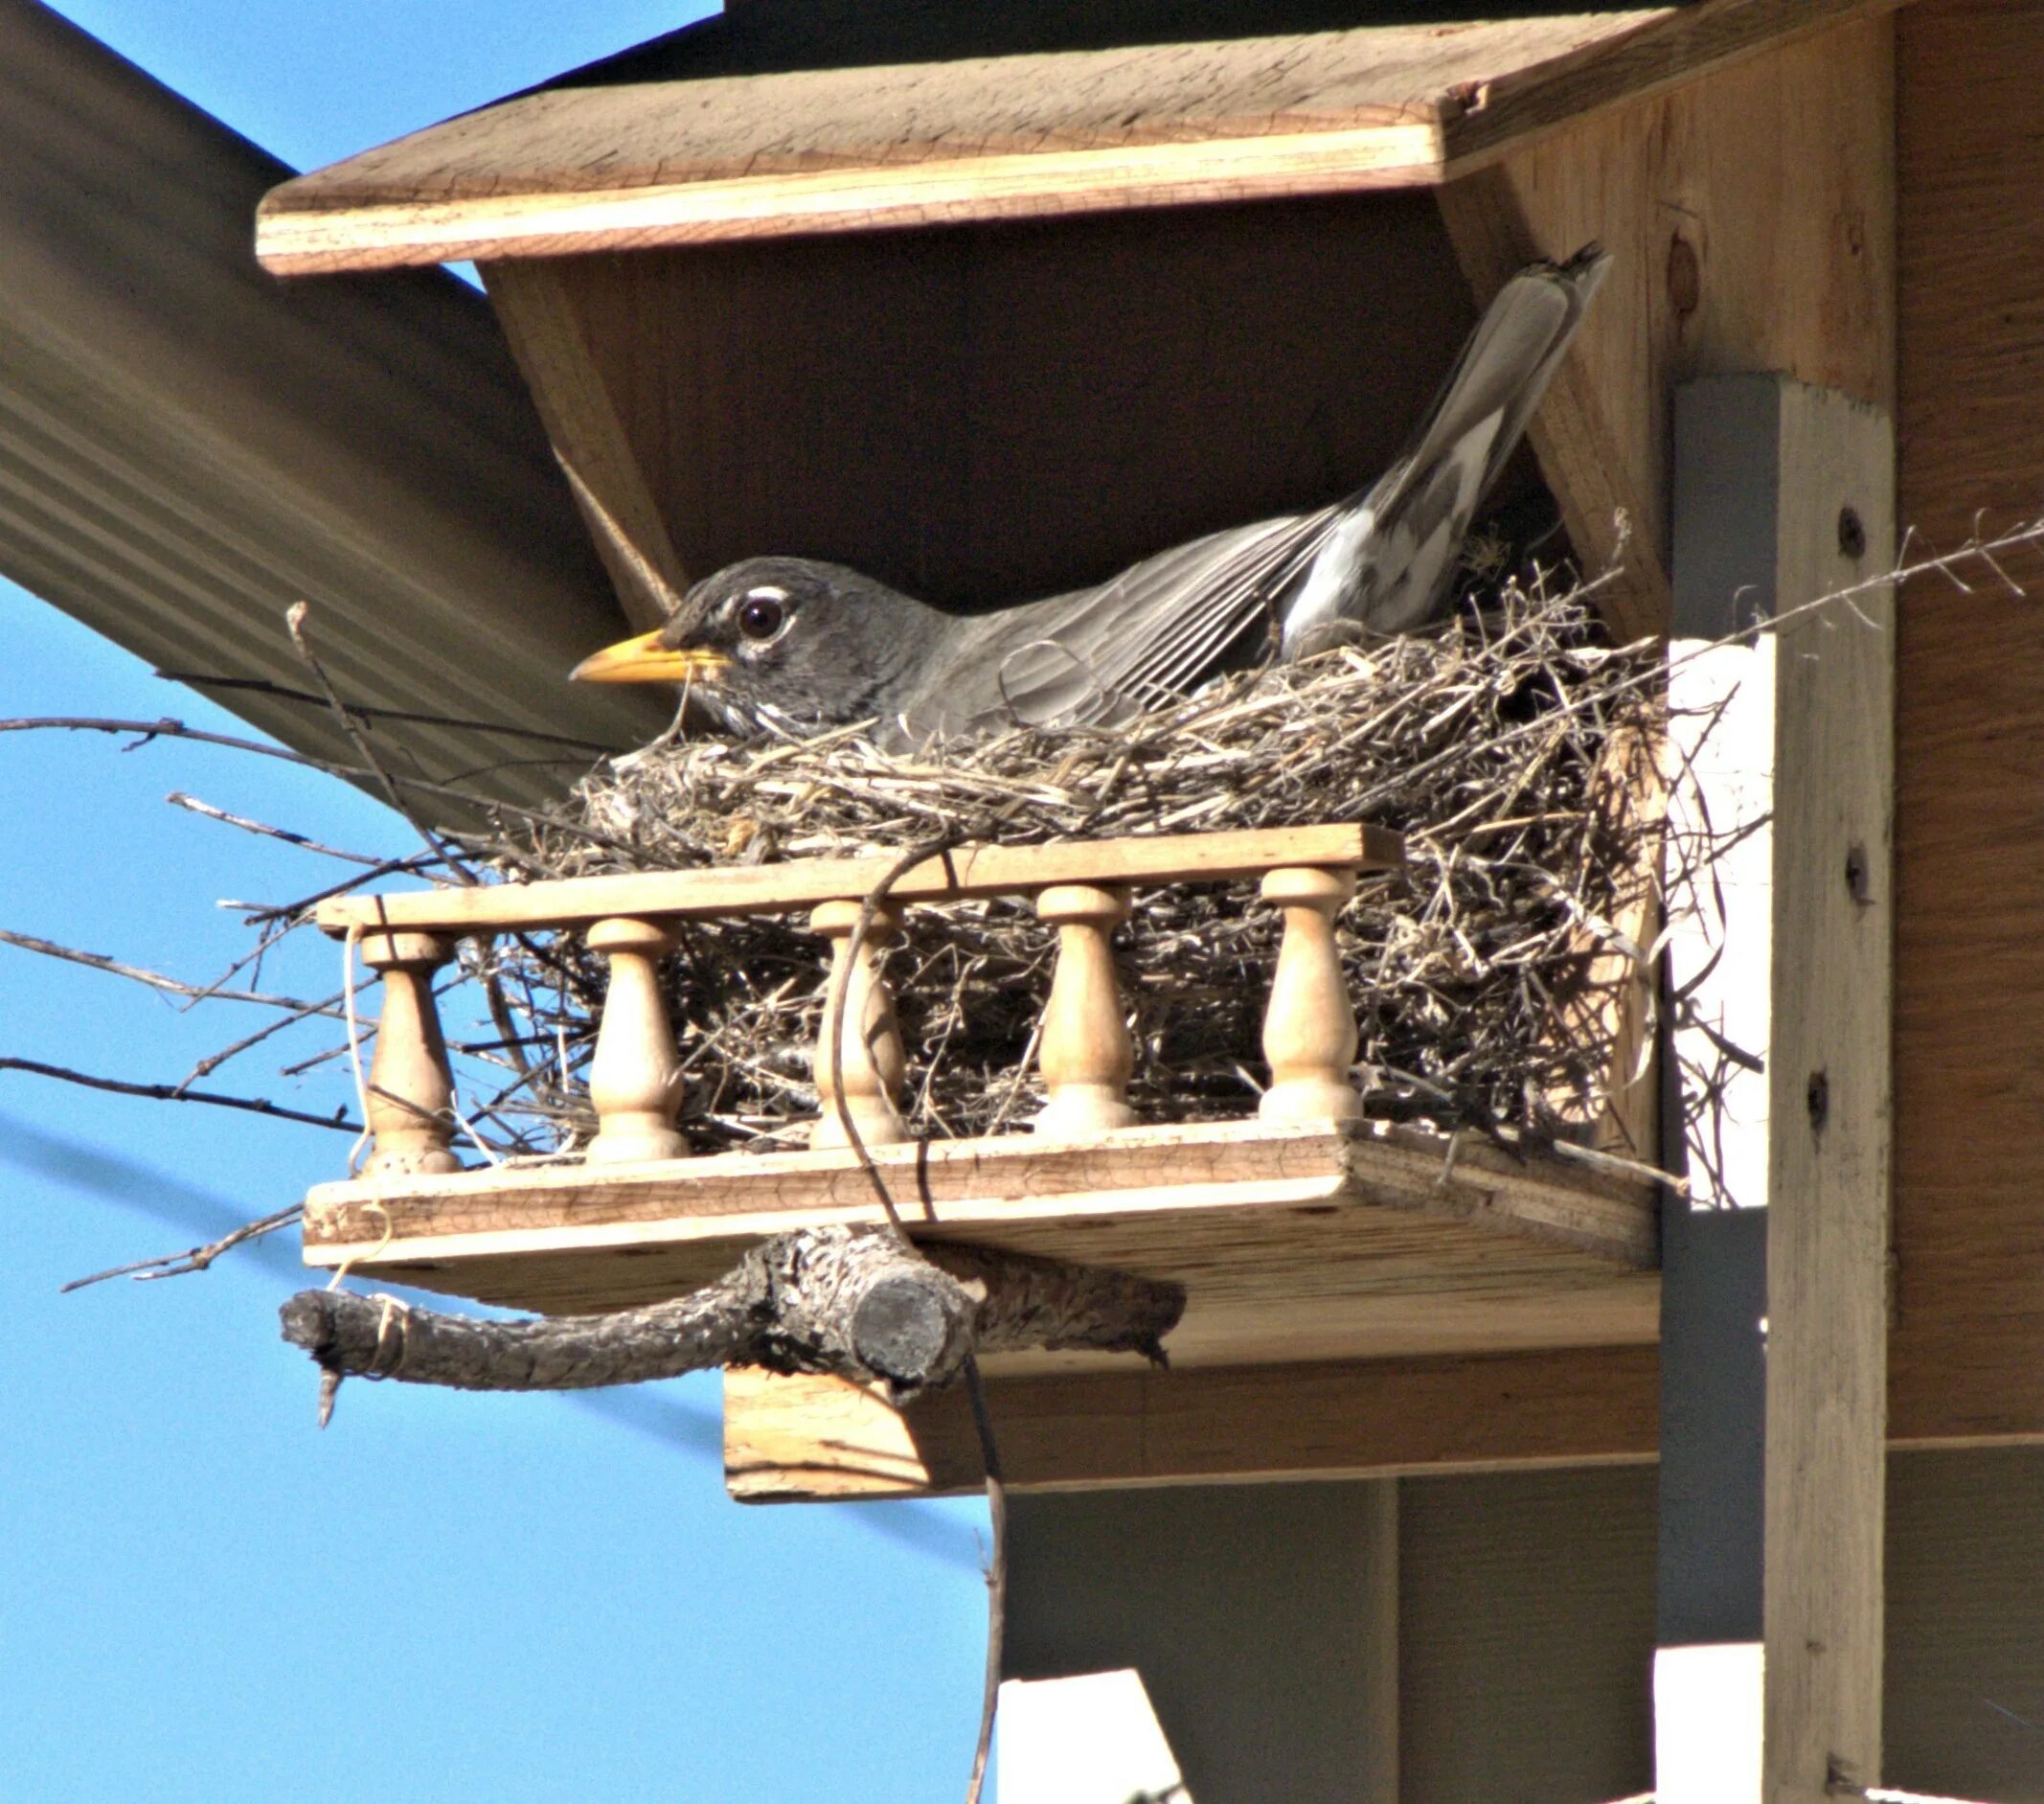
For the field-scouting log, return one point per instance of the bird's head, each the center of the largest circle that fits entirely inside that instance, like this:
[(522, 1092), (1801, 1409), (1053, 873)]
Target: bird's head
[(785, 638)]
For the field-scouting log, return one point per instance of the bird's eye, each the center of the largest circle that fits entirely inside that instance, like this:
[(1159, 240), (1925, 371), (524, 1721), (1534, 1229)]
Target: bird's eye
[(761, 617)]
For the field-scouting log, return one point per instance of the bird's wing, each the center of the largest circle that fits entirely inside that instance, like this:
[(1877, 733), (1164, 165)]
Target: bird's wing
[(1141, 639)]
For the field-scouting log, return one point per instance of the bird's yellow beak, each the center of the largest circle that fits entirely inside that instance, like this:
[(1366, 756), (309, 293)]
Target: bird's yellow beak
[(645, 660)]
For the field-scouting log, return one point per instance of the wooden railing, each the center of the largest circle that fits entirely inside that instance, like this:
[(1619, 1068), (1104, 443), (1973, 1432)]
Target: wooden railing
[(1085, 1053)]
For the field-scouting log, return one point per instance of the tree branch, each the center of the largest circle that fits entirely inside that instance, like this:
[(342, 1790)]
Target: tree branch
[(172, 1093), (850, 1302), (192, 1258)]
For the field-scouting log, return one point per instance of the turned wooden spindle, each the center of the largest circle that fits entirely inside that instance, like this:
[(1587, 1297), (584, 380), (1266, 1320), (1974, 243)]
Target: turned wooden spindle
[(1309, 1032), (635, 1075), (874, 1064), (410, 1090), (1086, 1055)]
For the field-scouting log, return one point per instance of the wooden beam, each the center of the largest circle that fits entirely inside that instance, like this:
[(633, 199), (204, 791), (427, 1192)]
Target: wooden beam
[(1830, 1101), (581, 419), (1969, 889), (767, 151), (801, 1439), (971, 871)]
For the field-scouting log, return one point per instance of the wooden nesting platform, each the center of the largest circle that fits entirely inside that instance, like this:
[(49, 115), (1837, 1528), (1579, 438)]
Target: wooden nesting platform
[(1296, 1241)]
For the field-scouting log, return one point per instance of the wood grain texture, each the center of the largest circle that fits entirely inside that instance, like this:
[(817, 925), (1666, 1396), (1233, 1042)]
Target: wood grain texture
[(805, 882), (1829, 1102), (1727, 260), (1970, 962), (798, 1439), (833, 149), (546, 336), (1298, 1242), (982, 416)]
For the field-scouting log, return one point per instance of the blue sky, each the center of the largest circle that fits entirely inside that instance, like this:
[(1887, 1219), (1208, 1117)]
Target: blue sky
[(465, 1597)]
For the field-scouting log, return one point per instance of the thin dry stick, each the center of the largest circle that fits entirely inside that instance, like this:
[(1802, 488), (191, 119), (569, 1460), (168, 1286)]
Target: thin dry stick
[(192, 1258), (213, 1060), (295, 1006), (177, 798), (144, 731), (294, 618), (263, 685), (172, 1093)]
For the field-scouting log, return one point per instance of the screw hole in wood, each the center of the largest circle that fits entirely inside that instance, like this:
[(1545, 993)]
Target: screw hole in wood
[(1852, 533)]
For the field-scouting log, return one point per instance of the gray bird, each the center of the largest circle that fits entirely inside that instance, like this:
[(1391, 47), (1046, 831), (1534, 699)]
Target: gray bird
[(802, 642)]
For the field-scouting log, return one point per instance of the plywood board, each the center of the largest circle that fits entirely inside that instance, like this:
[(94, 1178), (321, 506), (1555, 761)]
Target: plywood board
[(789, 1439), (1305, 1243), (987, 414), (812, 150), (1970, 806)]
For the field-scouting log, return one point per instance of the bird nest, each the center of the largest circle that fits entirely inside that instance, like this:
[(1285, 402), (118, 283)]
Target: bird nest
[(1505, 745)]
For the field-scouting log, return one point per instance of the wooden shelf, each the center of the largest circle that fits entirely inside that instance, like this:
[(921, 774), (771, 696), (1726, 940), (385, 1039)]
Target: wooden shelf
[(1295, 1243), (766, 128)]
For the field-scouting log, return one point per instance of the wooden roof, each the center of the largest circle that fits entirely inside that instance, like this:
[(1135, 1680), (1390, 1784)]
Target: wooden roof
[(739, 139)]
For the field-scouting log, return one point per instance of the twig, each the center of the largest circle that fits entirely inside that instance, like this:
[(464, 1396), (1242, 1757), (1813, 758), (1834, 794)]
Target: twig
[(263, 685), (177, 798), (192, 1258), (157, 980), (213, 1060), (144, 731), (171, 1093), (294, 618)]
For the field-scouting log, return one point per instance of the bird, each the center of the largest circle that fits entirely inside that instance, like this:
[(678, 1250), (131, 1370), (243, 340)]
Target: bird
[(797, 643)]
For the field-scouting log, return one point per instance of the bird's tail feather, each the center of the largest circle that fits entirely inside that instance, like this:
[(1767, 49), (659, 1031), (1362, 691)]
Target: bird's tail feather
[(1505, 366)]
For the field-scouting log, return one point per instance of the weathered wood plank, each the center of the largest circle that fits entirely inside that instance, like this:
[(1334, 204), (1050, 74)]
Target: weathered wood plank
[(801, 1439), (1969, 887), (822, 149), (802, 884), (1295, 1243), (548, 339), (1830, 1101)]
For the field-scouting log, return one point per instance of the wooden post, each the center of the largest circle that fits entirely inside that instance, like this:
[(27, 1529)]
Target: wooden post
[(410, 1090), (1773, 1471), (635, 1077), (1309, 1032), (1086, 1055), (875, 1064)]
